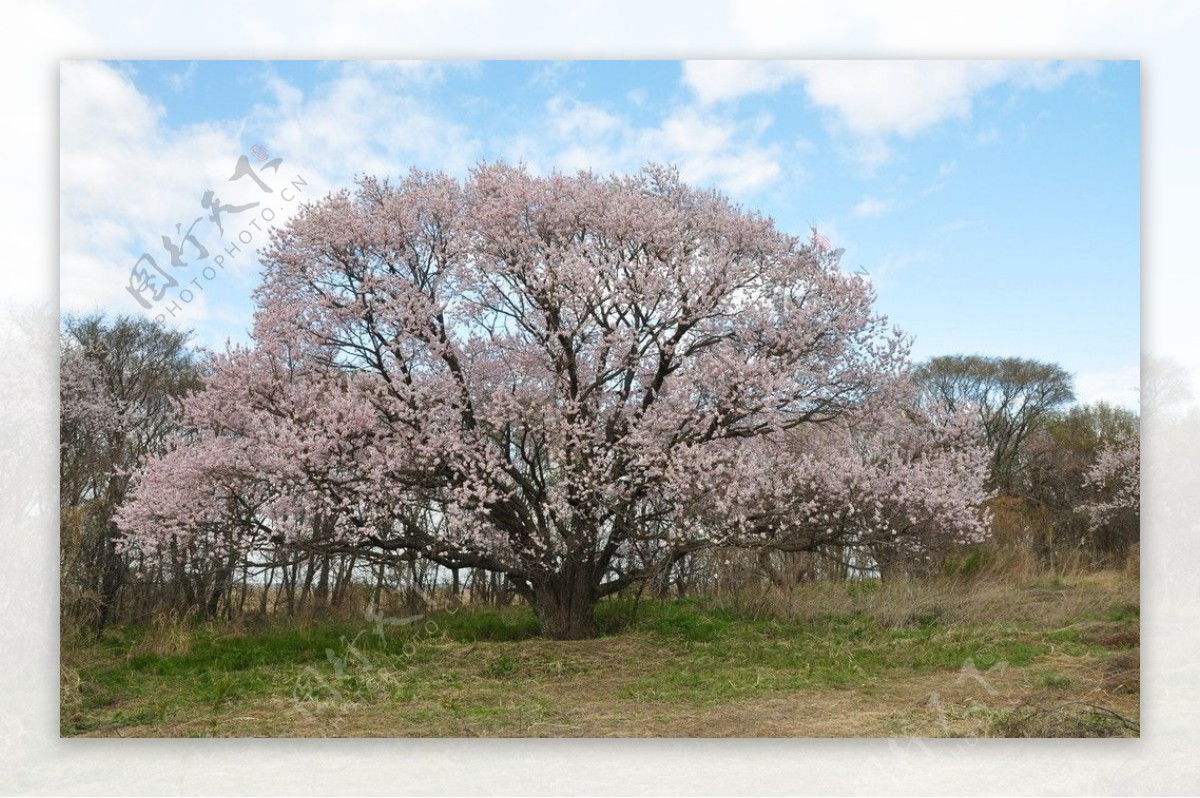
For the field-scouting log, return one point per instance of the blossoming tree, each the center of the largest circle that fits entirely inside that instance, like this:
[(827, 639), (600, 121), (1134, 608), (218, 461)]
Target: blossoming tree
[(560, 378), (891, 487), (1115, 479)]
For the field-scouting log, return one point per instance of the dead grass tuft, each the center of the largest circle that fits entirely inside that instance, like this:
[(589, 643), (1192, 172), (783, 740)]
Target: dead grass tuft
[(69, 683), (166, 637), (1068, 719), (1121, 637), (1123, 673)]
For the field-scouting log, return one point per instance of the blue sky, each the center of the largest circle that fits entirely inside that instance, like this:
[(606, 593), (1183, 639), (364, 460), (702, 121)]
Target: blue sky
[(995, 205)]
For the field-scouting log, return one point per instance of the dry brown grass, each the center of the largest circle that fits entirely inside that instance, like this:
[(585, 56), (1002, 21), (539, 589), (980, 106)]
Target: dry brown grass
[(983, 600), (69, 683), (166, 636)]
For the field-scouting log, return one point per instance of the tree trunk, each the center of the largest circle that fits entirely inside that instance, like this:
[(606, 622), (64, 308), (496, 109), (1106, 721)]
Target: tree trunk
[(306, 590), (565, 605), (345, 579), (112, 575), (321, 594), (266, 591)]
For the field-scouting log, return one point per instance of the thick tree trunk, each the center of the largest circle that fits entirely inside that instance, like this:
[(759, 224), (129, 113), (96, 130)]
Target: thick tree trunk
[(565, 605)]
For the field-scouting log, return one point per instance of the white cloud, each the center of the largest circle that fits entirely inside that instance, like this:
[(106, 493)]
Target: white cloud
[(714, 81), (370, 118), (878, 97), (883, 98), (576, 120), (178, 81), (708, 147), (870, 102), (126, 180), (873, 208)]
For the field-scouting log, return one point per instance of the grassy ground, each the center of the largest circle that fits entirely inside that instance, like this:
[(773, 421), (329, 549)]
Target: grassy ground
[(985, 658)]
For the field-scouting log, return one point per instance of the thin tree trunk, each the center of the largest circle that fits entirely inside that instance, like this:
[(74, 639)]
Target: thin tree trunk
[(266, 591), (241, 609)]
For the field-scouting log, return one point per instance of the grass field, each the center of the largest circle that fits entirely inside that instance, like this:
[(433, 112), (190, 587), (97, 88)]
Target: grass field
[(1048, 658)]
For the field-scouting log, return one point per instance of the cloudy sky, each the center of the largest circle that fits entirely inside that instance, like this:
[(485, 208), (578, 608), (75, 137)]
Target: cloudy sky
[(995, 205)]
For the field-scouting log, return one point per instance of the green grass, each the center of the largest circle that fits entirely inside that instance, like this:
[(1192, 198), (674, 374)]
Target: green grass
[(1124, 613), (503, 667), (496, 624), (728, 658), (1054, 680), (485, 671)]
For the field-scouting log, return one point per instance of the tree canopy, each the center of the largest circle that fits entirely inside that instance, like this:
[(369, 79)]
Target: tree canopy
[(566, 379)]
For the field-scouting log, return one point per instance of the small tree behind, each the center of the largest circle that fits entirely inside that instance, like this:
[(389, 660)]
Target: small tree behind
[(120, 380), (1011, 396)]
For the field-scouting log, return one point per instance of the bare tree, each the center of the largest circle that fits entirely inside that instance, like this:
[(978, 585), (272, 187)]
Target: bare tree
[(1011, 396), (120, 380)]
